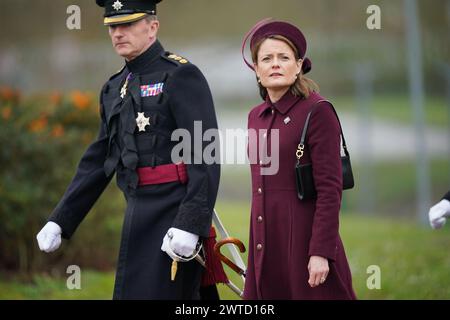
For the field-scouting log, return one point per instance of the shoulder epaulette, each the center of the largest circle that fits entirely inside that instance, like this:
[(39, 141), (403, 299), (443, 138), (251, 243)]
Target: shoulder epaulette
[(179, 60)]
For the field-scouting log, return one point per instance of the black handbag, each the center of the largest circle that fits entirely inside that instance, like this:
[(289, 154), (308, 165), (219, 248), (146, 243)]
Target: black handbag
[(304, 173)]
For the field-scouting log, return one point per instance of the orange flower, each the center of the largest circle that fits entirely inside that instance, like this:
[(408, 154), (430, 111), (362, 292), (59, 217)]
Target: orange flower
[(7, 93), (57, 131), (55, 98), (38, 125), (6, 113), (80, 101)]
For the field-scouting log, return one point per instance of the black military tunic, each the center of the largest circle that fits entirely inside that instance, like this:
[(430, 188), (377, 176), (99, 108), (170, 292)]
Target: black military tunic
[(447, 196), (173, 94)]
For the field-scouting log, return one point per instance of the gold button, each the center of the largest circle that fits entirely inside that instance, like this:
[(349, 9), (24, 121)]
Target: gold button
[(259, 190), (260, 219), (259, 246), (178, 58), (183, 61), (172, 56)]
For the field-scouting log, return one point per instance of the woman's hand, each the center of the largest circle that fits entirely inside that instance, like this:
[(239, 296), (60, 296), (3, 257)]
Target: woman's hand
[(318, 270)]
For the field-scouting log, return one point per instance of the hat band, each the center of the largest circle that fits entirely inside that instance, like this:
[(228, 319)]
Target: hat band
[(129, 11), (124, 19)]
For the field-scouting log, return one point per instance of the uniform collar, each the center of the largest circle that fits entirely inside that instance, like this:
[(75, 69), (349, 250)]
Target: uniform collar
[(142, 63), (283, 105)]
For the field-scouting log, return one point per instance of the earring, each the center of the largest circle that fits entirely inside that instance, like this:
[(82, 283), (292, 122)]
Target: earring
[(259, 80)]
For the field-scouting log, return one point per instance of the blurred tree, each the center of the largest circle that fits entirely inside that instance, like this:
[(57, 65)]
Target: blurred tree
[(42, 139)]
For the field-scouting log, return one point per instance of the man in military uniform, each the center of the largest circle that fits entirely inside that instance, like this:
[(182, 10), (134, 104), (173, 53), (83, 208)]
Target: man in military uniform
[(154, 94)]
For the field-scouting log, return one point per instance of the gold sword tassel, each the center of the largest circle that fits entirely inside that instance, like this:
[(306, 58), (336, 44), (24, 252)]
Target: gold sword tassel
[(174, 269)]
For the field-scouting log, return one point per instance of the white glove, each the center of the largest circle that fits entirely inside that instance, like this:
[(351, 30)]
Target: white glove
[(438, 213), (180, 242), (49, 238)]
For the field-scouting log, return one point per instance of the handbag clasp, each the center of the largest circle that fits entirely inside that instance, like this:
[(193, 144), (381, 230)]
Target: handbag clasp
[(299, 152)]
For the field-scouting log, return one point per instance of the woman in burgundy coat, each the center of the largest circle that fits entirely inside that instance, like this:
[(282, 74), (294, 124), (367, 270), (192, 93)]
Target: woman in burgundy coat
[(295, 251)]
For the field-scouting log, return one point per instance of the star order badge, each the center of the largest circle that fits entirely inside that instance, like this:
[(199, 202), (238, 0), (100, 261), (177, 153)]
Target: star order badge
[(117, 5), (142, 121)]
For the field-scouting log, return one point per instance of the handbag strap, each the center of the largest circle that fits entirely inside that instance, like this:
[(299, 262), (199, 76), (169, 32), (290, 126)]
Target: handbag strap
[(301, 146)]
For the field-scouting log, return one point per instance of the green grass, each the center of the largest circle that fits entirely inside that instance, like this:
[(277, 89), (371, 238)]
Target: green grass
[(94, 285), (414, 261)]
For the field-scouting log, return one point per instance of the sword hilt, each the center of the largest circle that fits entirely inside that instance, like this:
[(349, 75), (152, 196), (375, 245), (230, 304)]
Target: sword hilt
[(227, 261)]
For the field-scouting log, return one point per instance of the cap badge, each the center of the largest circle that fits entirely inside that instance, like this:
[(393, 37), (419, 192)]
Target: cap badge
[(117, 5), (287, 120), (142, 121)]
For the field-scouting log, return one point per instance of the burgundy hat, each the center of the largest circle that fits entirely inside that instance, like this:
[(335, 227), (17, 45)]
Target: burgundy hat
[(267, 27)]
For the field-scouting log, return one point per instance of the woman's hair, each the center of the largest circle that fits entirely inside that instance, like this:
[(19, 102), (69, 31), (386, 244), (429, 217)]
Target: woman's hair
[(302, 87)]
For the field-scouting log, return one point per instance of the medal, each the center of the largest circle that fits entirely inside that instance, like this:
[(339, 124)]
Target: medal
[(142, 121), (123, 91)]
